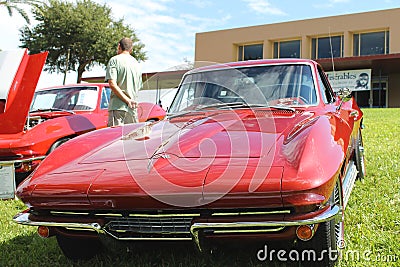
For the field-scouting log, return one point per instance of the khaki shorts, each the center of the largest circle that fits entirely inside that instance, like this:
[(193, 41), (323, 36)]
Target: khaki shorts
[(120, 117)]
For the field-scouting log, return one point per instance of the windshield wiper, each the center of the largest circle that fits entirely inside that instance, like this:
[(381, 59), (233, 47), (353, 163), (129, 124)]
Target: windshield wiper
[(244, 105), (51, 109), (183, 113), (231, 105)]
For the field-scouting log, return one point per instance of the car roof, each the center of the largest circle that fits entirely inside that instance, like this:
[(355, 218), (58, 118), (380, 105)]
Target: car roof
[(249, 63), (73, 85)]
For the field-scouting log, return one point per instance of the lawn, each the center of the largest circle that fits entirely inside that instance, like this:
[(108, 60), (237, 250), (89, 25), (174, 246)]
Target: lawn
[(372, 224)]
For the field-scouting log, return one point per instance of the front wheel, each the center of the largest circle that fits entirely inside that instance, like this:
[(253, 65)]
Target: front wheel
[(323, 248), (57, 144), (79, 248)]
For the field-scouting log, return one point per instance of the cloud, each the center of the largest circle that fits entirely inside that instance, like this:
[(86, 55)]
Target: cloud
[(330, 3), (198, 24), (166, 27), (9, 28), (264, 7), (168, 34), (153, 6)]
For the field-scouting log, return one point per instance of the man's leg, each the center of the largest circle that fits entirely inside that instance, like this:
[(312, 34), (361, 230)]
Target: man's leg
[(116, 118), (131, 117), (119, 117)]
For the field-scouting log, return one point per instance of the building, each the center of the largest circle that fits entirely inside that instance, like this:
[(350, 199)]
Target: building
[(351, 48)]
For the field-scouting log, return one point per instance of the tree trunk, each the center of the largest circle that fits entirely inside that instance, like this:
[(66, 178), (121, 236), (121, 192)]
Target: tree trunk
[(81, 70)]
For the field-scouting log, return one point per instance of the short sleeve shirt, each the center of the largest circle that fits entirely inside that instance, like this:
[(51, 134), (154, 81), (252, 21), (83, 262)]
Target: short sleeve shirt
[(126, 72)]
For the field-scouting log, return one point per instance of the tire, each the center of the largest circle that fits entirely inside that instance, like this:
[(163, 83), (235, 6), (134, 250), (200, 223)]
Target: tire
[(57, 144), (359, 157), (79, 248), (327, 241)]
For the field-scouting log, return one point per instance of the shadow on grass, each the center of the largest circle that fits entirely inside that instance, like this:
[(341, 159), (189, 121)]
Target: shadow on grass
[(186, 254), (31, 250)]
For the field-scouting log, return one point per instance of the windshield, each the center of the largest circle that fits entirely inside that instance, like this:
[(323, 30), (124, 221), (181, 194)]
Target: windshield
[(71, 98), (283, 85)]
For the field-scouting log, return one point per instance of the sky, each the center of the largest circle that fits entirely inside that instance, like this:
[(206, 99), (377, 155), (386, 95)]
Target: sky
[(168, 27)]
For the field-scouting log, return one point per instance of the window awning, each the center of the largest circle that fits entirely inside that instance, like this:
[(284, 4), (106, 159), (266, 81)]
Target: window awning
[(383, 64)]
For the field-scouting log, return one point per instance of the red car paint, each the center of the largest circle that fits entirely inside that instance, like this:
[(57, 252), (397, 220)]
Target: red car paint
[(30, 131), (216, 168)]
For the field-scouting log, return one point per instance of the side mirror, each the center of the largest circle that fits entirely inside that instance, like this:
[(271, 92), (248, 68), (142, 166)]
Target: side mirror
[(344, 94)]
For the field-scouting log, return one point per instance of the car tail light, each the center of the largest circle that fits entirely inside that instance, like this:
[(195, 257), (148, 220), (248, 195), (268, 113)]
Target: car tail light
[(43, 231), (306, 232)]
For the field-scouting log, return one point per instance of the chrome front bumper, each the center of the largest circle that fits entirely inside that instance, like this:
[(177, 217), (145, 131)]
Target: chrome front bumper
[(23, 218), (22, 160), (256, 227), (244, 227)]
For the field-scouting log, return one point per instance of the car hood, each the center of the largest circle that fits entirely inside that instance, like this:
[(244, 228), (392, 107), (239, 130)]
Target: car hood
[(240, 134), (183, 161), (19, 73)]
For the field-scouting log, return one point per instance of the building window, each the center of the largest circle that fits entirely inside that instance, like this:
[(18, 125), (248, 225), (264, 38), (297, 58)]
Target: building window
[(372, 43), (250, 52), (327, 47), (287, 49)]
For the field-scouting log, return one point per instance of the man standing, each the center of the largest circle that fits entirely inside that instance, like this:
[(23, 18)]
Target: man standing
[(124, 76)]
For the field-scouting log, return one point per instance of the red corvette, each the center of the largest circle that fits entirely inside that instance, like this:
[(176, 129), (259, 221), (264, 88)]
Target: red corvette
[(249, 150), (33, 123)]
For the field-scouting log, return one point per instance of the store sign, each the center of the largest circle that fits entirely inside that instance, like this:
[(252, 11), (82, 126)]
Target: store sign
[(356, 80)]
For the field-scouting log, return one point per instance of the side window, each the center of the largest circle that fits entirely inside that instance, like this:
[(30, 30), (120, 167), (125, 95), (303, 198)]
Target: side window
[(105, 97), (326, 90)]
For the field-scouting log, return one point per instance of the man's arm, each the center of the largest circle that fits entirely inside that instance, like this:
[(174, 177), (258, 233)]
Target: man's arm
[(118, 92)]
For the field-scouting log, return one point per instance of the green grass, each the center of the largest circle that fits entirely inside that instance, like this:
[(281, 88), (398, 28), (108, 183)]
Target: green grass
[(372, 220)]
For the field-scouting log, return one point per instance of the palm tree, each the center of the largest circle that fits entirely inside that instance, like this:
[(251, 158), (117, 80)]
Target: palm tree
[(12, 5)]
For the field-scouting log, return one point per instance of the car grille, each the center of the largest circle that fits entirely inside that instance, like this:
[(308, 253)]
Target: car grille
[(151, 227), (165, 225)]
